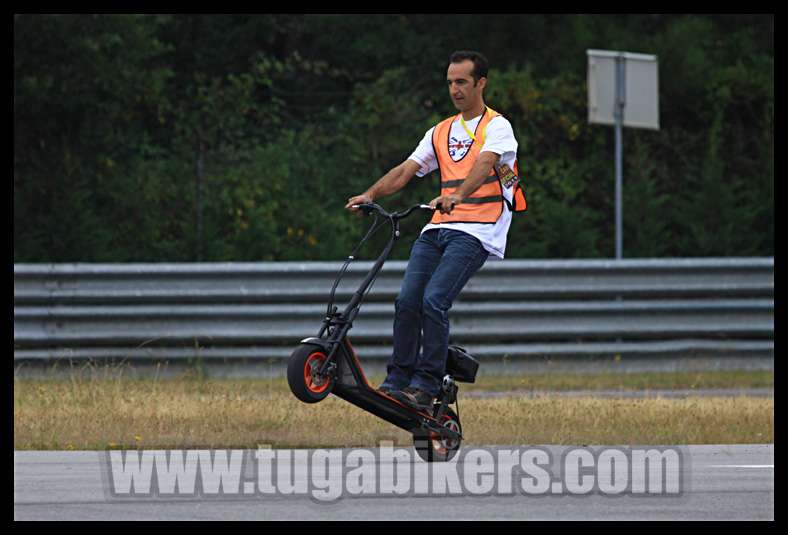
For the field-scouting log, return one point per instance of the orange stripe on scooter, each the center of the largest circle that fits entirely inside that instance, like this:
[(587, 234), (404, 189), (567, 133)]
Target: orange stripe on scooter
[(358, 362), (363, 376)]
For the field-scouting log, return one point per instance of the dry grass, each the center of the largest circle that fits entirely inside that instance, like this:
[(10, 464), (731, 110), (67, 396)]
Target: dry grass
[(627, 381), (99, 413)]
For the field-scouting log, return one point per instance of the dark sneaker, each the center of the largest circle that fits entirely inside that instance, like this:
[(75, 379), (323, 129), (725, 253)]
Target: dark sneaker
[(386, 389), (413, 397)]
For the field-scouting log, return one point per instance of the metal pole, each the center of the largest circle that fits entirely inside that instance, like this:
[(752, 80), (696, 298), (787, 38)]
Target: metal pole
[(619, 115)]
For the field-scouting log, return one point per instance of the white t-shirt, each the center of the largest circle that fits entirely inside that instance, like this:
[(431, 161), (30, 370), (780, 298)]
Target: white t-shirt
[(499, 139)]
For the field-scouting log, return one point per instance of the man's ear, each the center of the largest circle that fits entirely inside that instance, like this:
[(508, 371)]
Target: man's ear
[(482, 82)]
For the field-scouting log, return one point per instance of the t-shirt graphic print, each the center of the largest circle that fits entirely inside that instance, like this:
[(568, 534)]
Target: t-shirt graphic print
[(458, 148)]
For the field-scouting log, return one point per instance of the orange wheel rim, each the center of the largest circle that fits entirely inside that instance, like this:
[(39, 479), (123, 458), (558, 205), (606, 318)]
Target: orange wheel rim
[(314, 382)]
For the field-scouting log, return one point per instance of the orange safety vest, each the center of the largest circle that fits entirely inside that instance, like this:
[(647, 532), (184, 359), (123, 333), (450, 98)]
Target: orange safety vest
[(485, 205)]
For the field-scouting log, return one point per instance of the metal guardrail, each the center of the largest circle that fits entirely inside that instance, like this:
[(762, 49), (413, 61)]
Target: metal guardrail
[(513, 307)]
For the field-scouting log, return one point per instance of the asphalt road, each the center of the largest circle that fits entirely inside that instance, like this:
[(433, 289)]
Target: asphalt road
[(718, 482)]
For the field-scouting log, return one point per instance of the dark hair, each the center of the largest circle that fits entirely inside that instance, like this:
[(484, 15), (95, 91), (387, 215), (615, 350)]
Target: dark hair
[(480, 65)]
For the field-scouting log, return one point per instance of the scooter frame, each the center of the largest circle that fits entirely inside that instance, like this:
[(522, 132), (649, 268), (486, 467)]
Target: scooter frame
[(341, 373)]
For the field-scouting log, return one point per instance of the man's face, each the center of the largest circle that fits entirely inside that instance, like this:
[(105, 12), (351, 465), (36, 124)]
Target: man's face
[(464, 91)]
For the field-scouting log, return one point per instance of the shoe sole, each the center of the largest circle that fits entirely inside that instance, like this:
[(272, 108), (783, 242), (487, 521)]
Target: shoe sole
[(402, 398)]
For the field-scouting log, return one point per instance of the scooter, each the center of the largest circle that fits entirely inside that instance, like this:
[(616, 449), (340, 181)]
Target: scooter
[(327, 363)]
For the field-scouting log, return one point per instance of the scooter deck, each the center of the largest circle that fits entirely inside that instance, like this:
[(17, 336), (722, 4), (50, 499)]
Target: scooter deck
[(353, 387), (383, 406)]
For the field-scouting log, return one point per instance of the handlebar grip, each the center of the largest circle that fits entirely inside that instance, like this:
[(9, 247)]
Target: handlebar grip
[(364, 207)]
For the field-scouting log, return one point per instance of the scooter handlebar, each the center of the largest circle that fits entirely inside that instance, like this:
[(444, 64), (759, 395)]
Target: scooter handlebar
[(406, 213), (368, 207)]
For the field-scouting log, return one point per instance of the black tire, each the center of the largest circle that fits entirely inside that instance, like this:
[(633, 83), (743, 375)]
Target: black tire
[(434, 449), (301, 366)]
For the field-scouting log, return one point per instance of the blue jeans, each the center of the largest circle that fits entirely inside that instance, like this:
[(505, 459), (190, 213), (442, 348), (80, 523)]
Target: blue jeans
[(441, 263)]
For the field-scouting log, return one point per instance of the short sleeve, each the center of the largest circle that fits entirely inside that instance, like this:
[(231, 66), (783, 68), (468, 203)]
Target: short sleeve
[(424, 155), (499, 137)]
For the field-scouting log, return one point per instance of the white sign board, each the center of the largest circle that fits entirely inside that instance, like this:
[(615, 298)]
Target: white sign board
[(641, 89)]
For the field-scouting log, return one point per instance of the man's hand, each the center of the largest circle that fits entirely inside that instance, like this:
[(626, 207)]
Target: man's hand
[(447, 202), (358, 199)]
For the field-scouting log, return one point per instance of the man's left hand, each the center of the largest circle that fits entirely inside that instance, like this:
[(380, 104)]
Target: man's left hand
[(447, 202)]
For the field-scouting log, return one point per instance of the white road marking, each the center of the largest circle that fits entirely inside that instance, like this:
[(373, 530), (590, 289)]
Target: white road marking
[(742, 466)]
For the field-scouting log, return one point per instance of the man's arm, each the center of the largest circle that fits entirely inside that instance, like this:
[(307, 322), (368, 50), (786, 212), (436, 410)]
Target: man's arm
[(391, 182), (479, 172)]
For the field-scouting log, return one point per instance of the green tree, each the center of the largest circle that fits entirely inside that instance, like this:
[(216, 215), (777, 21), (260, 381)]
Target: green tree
[(87, 90), (236, 137)]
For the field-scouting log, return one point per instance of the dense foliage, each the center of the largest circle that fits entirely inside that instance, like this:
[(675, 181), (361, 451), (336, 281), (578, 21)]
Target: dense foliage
[(239, 138)]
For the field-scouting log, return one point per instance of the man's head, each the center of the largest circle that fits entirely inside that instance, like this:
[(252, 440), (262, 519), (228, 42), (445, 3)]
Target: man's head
[(466, 79)]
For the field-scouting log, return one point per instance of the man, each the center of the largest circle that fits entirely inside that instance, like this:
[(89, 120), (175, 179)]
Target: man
[(476, 153)]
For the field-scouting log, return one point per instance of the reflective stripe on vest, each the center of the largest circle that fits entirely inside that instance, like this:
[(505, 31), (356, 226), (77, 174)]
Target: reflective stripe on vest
[(485, 205)]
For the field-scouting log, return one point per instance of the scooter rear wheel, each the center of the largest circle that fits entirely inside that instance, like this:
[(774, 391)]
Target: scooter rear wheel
[(302, 376), (431, 447)]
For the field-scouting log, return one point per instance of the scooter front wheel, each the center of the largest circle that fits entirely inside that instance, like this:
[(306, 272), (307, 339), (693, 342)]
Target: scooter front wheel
[(303, 377)]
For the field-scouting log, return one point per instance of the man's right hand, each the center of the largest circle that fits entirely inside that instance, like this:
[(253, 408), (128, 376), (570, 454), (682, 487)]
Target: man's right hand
[(358, 199)]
